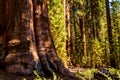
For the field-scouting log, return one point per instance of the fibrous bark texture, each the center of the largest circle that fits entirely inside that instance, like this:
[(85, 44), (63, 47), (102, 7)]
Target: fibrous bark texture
[(27, 41)]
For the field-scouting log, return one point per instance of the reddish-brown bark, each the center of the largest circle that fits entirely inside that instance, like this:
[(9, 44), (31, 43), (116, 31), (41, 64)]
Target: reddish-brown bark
[(28, 43)]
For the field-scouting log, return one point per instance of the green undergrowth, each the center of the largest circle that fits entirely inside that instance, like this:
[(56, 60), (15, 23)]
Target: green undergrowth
[(88, 74), (85, 74), (55, 77)]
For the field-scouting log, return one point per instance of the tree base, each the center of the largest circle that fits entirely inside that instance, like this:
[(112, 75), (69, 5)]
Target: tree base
[(8, 76)]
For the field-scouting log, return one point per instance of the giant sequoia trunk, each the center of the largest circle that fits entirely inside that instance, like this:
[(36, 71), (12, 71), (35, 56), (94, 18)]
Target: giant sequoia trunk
[(26, 40)]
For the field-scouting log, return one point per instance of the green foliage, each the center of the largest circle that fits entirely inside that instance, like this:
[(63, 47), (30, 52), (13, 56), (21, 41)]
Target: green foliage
[(38, 77), (57, 24), (118, 73), (96, 34), (87, 74), (55, 77), (115, 19), (115, 72), (97, 53)]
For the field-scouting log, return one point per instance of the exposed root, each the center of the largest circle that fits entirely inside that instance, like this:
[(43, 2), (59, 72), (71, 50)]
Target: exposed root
[(49, 66)]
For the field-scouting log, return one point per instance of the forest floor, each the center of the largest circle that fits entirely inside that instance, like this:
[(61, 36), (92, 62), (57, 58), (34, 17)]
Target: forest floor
[(83, 73), (97, 74)]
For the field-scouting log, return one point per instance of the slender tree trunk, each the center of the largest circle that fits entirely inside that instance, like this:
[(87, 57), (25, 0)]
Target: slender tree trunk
[(69, 33), (92, 2), (110, 37), (81, 21)]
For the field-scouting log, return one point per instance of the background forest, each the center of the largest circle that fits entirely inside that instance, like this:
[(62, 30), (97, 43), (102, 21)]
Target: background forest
[(86, 33)]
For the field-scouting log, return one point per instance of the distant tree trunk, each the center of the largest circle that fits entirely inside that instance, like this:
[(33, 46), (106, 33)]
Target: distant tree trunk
[(89, 32), (92, 2), (28, 43), (69, 33), (110, 37), (81, 21)]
